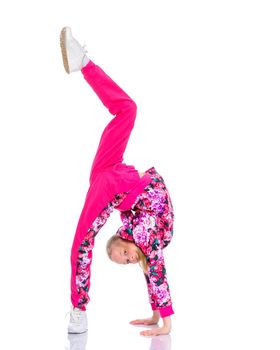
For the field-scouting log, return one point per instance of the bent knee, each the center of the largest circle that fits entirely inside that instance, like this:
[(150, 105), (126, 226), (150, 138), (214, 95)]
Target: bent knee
[(131, 105)]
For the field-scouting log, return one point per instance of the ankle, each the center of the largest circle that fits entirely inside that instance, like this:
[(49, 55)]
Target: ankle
[(85, 61)]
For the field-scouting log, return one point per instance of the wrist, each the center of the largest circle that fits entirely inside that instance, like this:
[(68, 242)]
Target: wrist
[(167, 322), (156, 315)]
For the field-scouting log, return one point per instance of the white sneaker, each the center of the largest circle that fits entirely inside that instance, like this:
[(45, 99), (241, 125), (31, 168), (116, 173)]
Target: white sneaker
[(78, 341), (73, 54), (78, 321)]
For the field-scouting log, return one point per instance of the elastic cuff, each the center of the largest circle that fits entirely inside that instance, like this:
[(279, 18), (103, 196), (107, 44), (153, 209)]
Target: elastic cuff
[(153, 306), (81, 307), (166, 311), (88, 66)]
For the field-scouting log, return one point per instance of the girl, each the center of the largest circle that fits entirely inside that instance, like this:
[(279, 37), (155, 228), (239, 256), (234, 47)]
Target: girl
[(142, 199)]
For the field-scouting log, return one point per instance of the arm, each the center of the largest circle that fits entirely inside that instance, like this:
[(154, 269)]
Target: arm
[(125, 231), (158, 287), (151, 243), (159, 297)]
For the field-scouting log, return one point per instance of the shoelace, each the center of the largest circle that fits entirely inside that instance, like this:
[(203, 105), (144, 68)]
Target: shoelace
[(74, 315), (84, 47), (85, 51)]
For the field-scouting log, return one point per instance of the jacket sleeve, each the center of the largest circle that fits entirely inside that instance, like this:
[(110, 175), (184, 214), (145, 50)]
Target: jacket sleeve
[(152, 246), (158, 288), (126, 231)]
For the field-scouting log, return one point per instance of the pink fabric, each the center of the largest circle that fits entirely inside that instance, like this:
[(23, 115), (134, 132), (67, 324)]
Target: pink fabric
[(166, 311), (153, 306), (109, 175), (112, 183), (150, 226), (85, 253), (130, 199)]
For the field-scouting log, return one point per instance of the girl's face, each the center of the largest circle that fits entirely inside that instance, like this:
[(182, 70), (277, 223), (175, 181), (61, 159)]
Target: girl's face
[(124, 252)]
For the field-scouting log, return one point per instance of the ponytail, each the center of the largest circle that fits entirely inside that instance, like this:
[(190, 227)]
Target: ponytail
[(142, 261)]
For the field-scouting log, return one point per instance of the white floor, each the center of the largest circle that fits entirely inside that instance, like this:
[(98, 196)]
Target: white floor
[(125, 341), (46, 329), (222, 300)]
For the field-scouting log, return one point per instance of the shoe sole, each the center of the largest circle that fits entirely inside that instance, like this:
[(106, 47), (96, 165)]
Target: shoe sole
[(63, 49), (77, 332)]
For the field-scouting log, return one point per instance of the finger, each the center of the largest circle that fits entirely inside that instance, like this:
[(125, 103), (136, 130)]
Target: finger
[(147, 333), (152, 332), (137, 322)]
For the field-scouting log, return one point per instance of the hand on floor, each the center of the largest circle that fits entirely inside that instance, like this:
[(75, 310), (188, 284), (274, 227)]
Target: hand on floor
[(165, 329), (155, 331), (145, 321)]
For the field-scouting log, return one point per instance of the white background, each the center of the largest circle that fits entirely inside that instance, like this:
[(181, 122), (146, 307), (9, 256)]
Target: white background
[(205, 76)]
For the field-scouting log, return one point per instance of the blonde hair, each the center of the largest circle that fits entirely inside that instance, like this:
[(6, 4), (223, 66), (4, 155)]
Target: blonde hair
[(115, 239)]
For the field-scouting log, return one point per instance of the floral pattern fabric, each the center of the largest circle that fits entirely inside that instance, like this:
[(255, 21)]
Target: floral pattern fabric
[(149, 224), (85, 251)]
